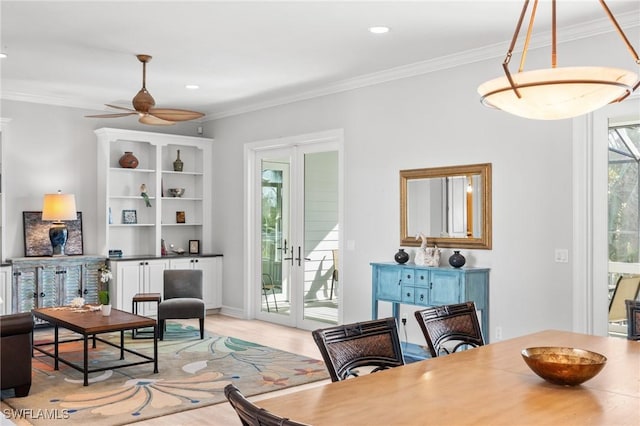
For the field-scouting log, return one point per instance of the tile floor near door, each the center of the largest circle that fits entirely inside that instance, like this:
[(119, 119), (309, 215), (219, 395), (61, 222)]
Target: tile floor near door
[(276, 336)]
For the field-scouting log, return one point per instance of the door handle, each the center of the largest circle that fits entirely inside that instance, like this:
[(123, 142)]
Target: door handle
[(299, 258), (290, 258)]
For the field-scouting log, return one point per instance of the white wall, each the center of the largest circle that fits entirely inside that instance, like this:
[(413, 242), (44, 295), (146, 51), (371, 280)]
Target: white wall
[(429, 120), (47, 148), (433, 120)]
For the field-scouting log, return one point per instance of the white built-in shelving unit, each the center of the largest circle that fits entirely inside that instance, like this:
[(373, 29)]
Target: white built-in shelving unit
[(119, 192)]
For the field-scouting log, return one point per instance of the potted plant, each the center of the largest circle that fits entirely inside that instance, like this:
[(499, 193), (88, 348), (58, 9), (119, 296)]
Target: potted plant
[(103, 292)]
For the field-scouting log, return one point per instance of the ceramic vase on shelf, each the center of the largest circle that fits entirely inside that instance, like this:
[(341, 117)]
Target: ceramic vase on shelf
[(457, 260), (401, 256), (128, 160), (177, 165)]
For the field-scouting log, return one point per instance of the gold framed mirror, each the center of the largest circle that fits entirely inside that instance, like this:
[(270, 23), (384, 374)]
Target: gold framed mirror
[(451, 206)]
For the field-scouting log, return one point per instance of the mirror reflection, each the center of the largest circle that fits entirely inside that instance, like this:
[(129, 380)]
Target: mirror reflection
[(450, 205)]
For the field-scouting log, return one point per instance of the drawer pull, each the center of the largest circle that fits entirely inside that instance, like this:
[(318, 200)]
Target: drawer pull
[(422, 297)]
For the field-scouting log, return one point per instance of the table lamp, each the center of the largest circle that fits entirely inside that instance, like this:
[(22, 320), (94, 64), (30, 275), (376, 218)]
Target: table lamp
[(58, 208)]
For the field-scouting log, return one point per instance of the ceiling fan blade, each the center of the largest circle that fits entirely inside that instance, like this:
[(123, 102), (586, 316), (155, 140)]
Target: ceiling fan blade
[(119, 107), (116, 115), (143, 104), (154, 121), (172, 114)]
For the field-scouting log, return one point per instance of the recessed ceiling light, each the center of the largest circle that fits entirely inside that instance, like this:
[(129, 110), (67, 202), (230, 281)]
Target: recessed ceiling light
[(3, 55), (191, 86), (379, 30)]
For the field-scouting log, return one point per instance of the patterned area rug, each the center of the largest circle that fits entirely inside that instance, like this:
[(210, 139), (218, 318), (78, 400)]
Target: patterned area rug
[(192, 374)]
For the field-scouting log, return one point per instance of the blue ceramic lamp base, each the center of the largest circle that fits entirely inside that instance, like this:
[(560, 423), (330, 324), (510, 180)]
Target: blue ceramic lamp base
[(58, 234)]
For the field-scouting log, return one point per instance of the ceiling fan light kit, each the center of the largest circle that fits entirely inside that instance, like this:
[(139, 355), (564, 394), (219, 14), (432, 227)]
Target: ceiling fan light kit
[(143, 106), (557, 92)]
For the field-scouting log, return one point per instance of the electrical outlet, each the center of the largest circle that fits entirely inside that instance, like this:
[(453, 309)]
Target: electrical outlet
[(498, 333), (404, 319)]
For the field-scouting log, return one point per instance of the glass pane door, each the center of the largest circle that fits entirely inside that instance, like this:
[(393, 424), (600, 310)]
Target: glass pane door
[(296, 189), (321, 237), (275, 245)]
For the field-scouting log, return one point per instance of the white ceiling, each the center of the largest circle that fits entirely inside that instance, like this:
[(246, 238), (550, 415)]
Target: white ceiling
[(246, 55)]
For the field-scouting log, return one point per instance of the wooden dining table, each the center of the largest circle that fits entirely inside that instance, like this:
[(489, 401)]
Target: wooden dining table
[(489, 385)]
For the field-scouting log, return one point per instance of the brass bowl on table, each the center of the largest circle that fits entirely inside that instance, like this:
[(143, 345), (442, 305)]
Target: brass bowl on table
[(563, 366)]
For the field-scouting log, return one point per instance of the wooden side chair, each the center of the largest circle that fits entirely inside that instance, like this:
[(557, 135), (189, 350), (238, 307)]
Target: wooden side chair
[(364, 344), (633, 319), (252, 415), (449, 328)]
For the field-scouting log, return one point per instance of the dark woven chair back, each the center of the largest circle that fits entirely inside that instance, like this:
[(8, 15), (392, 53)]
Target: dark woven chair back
[(450, 328), (252, 415), (633, 319), (364, 344)]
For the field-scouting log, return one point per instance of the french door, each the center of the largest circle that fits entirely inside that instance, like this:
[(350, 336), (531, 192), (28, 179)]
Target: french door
[(296, 233)]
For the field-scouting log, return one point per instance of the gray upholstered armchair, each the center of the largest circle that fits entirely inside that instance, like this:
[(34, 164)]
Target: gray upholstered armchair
[(15, 361), (182, 298)]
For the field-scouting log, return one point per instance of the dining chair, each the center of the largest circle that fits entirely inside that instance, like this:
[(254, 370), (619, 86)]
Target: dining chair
[(346, 347), (334, 275), (252, 415), (626, 288), (633, 319), (182, 298), (449, 328), (268, 285)]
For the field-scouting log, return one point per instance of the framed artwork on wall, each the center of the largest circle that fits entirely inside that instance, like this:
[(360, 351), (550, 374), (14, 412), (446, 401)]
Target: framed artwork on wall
[(36, 235)]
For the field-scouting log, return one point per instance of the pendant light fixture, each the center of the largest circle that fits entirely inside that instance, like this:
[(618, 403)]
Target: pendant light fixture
[(557, 92)]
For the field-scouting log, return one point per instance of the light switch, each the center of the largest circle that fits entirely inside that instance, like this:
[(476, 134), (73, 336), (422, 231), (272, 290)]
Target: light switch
[(562, 256)]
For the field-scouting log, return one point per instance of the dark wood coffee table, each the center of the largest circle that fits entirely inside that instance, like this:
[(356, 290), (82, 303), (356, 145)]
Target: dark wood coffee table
[(89, 324)]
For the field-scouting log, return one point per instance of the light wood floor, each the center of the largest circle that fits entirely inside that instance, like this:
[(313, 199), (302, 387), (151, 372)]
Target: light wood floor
[(276, 336)]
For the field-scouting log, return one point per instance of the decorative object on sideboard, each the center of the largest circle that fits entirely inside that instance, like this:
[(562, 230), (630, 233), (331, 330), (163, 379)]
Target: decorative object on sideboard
[(129, 217), (178, 250), (144, 195), (36, 235), (557, 92), (178, 164), (194, 246), (457, 260), (401, 256), (176, 192), (59, 208), (128, 160), (180, 217), (115, 253), (427, 256), (163, 248)]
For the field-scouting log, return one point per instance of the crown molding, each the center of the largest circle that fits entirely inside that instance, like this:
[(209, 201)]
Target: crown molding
[(498, 50), (567, 34)]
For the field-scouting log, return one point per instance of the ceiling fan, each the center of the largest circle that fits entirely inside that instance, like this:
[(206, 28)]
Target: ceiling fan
[(143, 105)]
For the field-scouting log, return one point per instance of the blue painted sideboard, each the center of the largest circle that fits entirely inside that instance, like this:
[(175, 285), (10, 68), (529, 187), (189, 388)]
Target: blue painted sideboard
[(411, 284)]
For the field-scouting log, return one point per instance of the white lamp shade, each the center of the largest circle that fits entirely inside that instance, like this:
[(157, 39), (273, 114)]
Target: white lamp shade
[(58, 207), (557, 93)]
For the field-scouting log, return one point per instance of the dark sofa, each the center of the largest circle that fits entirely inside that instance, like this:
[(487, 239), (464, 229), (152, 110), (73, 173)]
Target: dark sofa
[(15, 352)]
